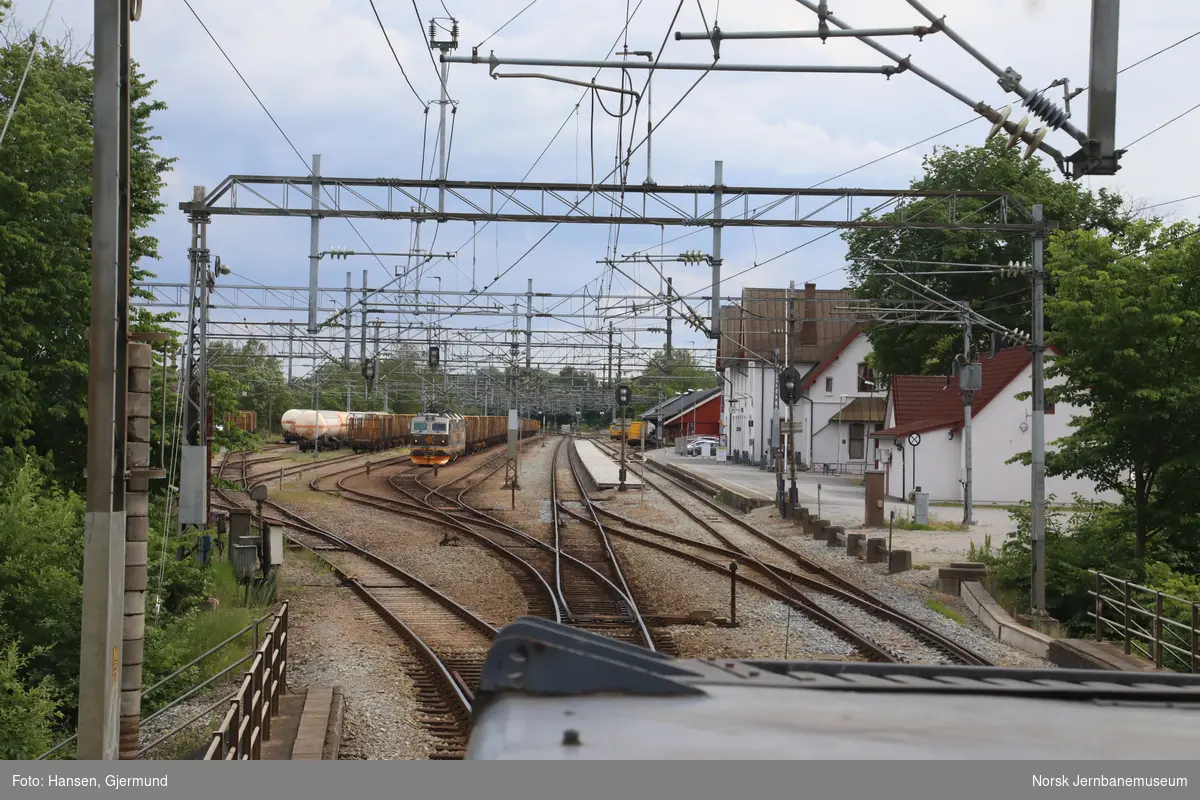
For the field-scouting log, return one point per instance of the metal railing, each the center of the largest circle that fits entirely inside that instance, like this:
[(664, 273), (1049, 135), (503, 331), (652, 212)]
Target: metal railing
[(1160, 627), (253, 627), (247, 722)]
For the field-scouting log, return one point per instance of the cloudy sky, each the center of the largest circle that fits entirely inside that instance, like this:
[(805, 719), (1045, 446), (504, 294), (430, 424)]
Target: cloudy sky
[(324, 70)]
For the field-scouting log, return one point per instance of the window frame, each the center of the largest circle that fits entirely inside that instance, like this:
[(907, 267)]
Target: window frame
[(861, 441)]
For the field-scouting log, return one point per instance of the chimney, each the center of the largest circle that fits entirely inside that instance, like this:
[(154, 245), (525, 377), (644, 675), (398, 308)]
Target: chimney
[(996, 346), (808, 328)]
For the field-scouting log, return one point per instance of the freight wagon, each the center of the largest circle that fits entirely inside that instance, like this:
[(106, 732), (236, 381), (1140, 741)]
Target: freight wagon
[(374, 431), (437, 439), (242, 420)]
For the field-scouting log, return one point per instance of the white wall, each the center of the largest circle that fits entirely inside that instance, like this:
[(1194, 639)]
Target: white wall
[(831, 440), (997, 436), (934, 464)]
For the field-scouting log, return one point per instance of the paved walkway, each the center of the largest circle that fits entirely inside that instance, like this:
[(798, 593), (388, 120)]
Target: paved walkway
[(843, 502)]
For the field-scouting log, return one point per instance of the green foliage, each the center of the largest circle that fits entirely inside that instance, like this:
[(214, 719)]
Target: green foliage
[(41, 561), (45, 232), (28, 708), (929, 349), (1126, 318), (1097, 538), (680, 370)]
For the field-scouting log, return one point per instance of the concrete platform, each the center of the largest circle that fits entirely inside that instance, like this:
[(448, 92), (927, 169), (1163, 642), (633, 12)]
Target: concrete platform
[(603, 471), (1089, 654)]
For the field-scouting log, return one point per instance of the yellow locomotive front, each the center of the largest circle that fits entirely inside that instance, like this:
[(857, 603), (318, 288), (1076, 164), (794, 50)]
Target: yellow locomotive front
[(437, 439)]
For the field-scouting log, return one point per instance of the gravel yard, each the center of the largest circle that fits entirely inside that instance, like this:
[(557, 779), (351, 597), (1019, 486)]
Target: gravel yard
[(337, 640)]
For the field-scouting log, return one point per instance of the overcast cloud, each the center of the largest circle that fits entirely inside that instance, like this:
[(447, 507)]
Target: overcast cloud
[(324, 70)]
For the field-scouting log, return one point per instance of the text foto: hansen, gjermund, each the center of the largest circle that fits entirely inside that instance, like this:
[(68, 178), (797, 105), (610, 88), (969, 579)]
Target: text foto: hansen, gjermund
[(109, 781)]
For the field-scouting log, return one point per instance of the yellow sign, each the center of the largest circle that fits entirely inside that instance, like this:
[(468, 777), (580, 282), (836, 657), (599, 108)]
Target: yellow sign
[(116, 658)]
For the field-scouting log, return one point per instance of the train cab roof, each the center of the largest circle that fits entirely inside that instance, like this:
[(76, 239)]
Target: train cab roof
[(550, 692)]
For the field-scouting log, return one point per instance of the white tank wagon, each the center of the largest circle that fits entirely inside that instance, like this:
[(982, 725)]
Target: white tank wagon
[(325, 427), (288, 423)]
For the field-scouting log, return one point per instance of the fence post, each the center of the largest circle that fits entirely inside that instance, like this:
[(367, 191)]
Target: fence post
[(1099, 607), (1128, 641), (1158, 629), (267, 708), (1195, 637)]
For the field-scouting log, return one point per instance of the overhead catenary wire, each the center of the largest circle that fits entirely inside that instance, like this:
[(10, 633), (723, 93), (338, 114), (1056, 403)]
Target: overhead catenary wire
[(510, 21), (33, 48), (278, 127), (388, 39)]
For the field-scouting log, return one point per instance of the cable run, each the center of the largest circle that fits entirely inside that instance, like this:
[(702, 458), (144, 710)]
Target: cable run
[(388, 39), (33, 48), (505, 25), (1160, 127)]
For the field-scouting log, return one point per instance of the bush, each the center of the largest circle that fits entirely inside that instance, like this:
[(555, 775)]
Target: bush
[(28, 708), (1098, 537)]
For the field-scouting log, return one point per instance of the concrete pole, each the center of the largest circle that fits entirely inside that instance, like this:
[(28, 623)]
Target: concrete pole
[(314, 245), (346, 322), (104, 528), (793, 494), (1037, 498), (529, 324), (669, 290), (718, 199), (968, 398), (137, 529), (291, 342)]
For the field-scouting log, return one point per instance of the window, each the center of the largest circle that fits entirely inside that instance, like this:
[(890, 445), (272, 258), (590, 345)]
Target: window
[(866, 377), (829, 386), (1049, 408), (858, 437), (418, 426), (439, 427)]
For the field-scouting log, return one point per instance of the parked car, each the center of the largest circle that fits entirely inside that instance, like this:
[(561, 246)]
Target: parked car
[(704, 442)]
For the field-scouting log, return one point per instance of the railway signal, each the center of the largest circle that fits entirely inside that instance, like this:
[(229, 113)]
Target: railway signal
[(434, 356), (624, 395), (789, 386)]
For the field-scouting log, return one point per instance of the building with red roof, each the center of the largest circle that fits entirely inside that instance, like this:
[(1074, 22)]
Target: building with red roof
[(920, 443)]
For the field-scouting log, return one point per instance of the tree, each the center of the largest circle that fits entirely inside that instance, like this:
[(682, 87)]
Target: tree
[(929, 349), (45, 232), (675, 371), (1126, 317)]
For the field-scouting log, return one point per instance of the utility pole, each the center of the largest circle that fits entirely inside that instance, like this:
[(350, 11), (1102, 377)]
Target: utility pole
[(669, 290), (346, 322), (529, 325), (445, 46), (968, 397), (314, 245), (718, 200), (793, 495), (104, 548), (291, 343), (1037, 497)]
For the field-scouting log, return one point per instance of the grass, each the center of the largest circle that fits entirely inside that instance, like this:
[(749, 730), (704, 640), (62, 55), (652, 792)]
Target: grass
[(1012, 508), (908, 524), (922, 567), (202, 629), (949, 613)]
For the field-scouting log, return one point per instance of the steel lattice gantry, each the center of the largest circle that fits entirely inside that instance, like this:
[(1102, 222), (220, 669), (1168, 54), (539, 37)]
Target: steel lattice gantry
[(715, 206)]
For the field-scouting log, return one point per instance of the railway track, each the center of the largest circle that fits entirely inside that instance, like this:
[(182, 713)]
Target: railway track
[(539, 597), (823, 592), (448, 643), (591, 606), (577, 586)]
